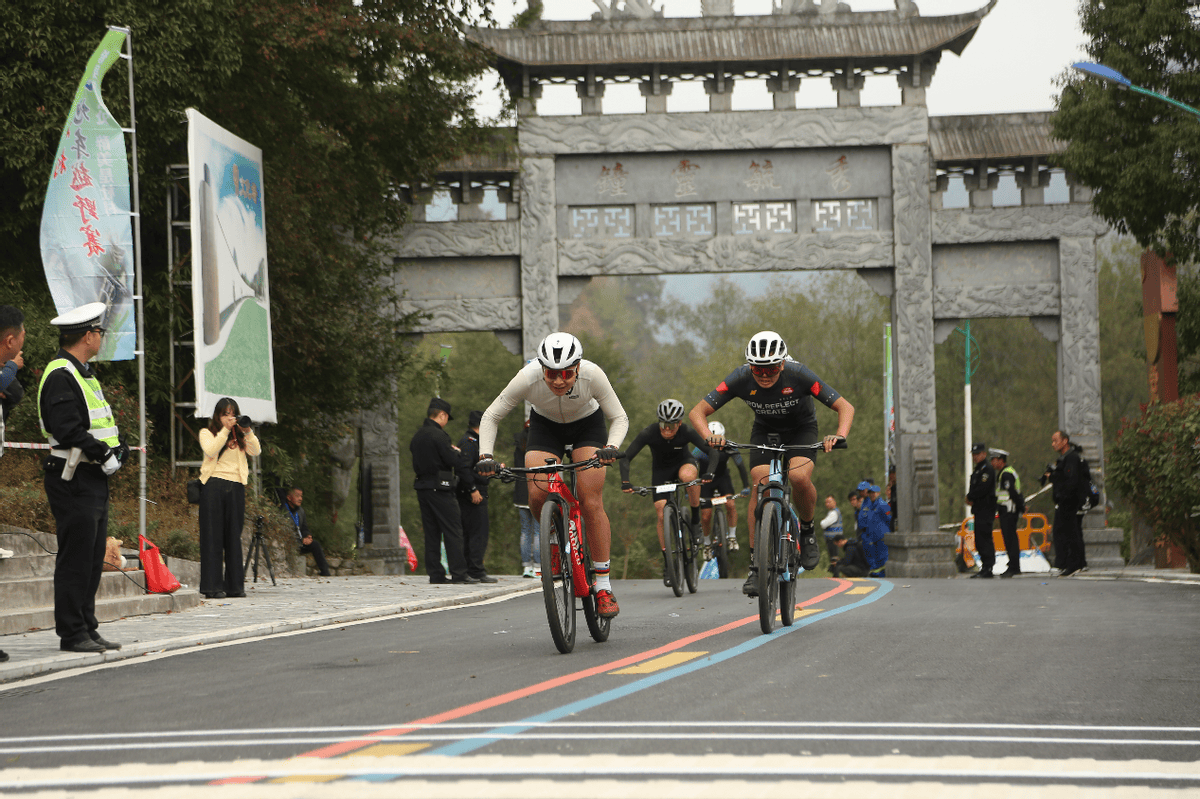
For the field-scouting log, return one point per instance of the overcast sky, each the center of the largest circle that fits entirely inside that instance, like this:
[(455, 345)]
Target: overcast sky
[(1012, 63)]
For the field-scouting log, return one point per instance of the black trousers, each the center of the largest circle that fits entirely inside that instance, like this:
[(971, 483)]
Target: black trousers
[(80, 508), (985, 545), (1068, 539), (222, 516), (475, 533), (318, 554), (1012, 544), (441, 520)]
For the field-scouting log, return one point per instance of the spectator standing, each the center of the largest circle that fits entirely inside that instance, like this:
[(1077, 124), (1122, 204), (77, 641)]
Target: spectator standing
[(224, 472), (12, 339), (981, 496), (437, 468), (1011, 504), (1067, 476), (531, 556), (831, 526), (878, 525), (77, 420), (308, 545), (472, 502)]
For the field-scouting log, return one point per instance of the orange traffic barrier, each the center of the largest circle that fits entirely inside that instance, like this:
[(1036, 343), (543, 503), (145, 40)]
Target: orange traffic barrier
[(1033, 532)]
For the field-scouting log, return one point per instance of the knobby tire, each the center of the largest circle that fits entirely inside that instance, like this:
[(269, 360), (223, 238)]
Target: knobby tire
[(557, 591), (671, 547), (720, 542), (766, 545), (597, 626)]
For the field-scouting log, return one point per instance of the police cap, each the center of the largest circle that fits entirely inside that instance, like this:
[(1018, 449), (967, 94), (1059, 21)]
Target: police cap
[(85, 317)]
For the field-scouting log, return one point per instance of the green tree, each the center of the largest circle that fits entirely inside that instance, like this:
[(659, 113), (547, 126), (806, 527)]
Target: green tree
[(1155, 462), (349, 100), (1139, 153)]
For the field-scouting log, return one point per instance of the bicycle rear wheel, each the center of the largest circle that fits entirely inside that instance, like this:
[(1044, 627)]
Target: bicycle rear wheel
[(691, 557), (671, 547), (558, 588), (720, 543), (766, 549), (597, 626)]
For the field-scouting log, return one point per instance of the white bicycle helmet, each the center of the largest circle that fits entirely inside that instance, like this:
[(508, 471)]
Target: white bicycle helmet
[(716, 428), (670, 410), (560, 351), (766, 349)]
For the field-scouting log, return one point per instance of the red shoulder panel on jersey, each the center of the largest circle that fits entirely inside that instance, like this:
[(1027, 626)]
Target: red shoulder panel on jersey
[(722, 388), (816, 389)]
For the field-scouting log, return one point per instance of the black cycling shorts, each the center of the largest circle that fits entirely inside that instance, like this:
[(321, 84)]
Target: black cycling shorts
[(799, 435), (662, 473), (721, 487), (555, 437)]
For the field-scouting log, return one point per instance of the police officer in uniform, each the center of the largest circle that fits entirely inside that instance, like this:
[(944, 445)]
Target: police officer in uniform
[(472, 502), (437, 465), (1011, 504), (84, 453), (982, 498)]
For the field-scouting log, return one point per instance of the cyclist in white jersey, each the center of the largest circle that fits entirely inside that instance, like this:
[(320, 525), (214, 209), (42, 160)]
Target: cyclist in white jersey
[(571, 400)]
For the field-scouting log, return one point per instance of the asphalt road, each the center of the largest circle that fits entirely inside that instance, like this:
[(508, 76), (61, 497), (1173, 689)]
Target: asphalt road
[(1017, 682)]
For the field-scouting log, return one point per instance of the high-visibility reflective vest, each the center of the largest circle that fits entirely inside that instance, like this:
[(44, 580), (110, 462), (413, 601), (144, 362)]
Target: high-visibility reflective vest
[(1002, 497), (103, 424)]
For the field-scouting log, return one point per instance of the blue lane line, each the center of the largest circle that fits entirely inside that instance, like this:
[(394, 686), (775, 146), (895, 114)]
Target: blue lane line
[(508, 730)]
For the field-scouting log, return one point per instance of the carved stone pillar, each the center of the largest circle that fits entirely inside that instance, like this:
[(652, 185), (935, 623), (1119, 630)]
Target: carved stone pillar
[(539, 257), (656, 91), (527, 100), (1079, 383), (720, 91), (848, 85), (381, 450), (591, 96), (918, 548), (783, 88)]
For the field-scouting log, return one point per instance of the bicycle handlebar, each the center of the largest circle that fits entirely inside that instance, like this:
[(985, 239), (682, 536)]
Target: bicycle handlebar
[(510, 474), (818, 447), (642, 491)]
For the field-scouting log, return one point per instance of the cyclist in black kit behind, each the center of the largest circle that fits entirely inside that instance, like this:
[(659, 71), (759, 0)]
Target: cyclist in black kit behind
[(670, 461), (780, 391)]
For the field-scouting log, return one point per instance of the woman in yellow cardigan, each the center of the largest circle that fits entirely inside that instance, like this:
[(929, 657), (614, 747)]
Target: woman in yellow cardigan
[(226, 442)]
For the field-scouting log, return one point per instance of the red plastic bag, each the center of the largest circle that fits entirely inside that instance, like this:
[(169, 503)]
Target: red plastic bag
[(159, 579), (412, 556)]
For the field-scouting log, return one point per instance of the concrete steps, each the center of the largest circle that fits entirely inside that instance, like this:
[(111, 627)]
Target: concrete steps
[(27, 586)]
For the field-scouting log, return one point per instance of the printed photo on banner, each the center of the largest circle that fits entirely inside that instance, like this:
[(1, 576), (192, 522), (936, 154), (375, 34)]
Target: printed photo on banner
[(230, 291)]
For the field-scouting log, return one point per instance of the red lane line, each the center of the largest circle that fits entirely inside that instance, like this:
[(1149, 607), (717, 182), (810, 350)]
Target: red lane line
[(334, 750)]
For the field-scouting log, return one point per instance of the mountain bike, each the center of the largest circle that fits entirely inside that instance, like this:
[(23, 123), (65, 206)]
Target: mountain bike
[(777, 542), (681, 543), (720, 539), (567, 570)]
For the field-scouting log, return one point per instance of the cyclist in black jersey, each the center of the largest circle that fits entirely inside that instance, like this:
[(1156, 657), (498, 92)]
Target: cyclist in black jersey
[(780, 391), (721, 485), (670, 460)]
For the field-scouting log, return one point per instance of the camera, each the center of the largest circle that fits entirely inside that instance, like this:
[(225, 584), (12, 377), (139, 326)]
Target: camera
[(259, 521), (243, 421)]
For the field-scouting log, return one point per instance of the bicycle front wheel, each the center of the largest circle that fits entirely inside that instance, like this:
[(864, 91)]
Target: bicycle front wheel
[(691, 556), (789, 561), (720, 541), (672, 543), (558, 589), (766, 558)]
